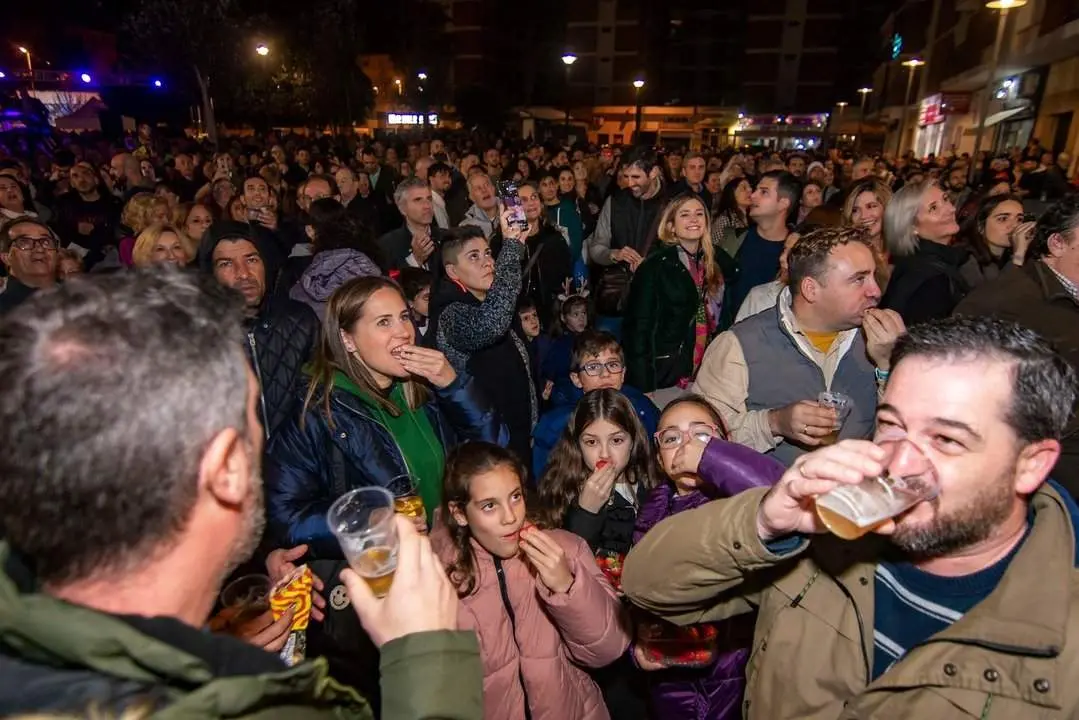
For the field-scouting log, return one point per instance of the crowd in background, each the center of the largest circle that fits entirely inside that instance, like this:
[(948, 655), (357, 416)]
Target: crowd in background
[(590, 339)]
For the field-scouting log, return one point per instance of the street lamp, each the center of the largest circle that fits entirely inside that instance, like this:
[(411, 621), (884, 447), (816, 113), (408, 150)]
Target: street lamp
[(422, 76), (397, 82), (1003, 6), (637, 85), (262, 49), (29, 64), (861, 116), (911, 65), (569, 58)]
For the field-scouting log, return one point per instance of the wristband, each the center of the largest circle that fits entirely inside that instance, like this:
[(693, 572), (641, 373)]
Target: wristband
[(881, 375)]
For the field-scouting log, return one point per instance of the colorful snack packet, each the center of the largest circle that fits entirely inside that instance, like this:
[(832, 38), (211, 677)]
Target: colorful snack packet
[(294, 591)]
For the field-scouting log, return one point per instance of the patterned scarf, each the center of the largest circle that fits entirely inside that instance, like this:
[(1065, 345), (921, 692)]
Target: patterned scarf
[(706, 319)]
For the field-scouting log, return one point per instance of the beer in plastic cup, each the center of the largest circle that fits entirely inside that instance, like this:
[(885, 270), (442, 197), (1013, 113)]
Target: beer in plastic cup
[(406, 497), (246, 597), (850, 511), (842, 404), (362, 521)]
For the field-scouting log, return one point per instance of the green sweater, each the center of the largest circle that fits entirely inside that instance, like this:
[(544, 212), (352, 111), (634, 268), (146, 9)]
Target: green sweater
[(421, 450)]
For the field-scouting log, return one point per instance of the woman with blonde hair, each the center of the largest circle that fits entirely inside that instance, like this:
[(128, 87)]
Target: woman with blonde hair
[(163, 243), (674, 301), (865, 206), (929, 278), (140, 212)]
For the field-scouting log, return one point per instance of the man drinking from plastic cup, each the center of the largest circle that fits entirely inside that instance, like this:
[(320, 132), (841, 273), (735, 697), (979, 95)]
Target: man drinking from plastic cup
[(961, 605)]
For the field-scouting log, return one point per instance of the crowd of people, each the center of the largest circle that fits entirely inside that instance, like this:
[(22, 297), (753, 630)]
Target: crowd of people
[(561, 349)]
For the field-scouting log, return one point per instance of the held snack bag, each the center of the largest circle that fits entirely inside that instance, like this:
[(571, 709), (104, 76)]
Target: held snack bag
[(294, 591)]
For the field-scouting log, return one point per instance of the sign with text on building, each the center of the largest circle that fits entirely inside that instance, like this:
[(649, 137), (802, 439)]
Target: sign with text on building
[(897, 46), (931, 113), (955, 103), (410, 118)]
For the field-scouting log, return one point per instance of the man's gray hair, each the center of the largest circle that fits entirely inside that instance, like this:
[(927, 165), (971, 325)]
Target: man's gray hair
[(111, 388), (406, 185), (899, 235)]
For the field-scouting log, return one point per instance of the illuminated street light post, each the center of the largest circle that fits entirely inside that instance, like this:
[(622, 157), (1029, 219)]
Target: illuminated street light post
[(911, 65), (637, 85), (422, 77), (568, 59), (1003, 6), (29, 64), (865, 93)]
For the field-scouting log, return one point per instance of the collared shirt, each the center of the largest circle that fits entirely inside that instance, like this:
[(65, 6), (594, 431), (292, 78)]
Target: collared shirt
[(1071, 287), (723, 377)]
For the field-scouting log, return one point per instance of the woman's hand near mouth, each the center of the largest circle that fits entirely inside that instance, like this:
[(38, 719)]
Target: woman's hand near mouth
[(427, 363)]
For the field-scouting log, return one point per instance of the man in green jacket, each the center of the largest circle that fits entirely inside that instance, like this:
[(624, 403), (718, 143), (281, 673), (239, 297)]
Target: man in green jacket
[(130, 448), (960, 607)]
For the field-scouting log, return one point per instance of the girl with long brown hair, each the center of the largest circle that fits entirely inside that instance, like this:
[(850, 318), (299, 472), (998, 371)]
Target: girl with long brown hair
[(598, 472), (541, 608), (674, 301)]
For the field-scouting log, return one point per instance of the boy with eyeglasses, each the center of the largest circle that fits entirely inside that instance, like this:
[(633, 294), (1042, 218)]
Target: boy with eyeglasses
[(598, 362), (28, 248)]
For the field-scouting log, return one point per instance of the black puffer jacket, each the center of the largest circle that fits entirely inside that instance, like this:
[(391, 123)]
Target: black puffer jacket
[(280, 340)]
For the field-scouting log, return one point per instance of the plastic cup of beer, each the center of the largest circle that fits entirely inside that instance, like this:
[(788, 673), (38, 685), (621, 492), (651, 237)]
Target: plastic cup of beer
[(842, 404), (406, 497), (850, 511), (245, 598), (362, 521)]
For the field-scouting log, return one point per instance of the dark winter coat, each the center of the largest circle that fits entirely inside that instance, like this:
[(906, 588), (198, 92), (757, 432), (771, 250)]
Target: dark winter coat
[(549, 263), (302, 462), (1034, 297), (713, 693), (928, 284), (281, 336), (481, 339), (659, 329)]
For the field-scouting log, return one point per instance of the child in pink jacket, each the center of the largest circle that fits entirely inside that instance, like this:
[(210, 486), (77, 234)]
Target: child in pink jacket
[(542, 609)]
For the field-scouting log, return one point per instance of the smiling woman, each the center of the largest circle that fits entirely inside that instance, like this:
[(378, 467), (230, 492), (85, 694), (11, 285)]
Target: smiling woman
[(386, 406), (672, 311), (931, 274)]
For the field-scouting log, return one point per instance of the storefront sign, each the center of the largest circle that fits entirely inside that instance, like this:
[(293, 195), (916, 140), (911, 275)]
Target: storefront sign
[(931, 113), (410, 119)]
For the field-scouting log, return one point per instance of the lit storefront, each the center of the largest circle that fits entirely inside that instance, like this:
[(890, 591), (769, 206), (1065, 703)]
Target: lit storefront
[(782, 132)]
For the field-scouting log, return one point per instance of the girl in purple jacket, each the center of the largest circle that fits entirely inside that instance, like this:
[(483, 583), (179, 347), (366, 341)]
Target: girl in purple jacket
[(700, 466)]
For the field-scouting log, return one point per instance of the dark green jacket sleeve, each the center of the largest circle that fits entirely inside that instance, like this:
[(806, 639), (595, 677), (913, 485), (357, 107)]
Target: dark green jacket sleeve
[(432, 676), (639, 328)]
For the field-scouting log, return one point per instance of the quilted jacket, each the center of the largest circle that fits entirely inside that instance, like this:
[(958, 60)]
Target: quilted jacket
[(280, 340)]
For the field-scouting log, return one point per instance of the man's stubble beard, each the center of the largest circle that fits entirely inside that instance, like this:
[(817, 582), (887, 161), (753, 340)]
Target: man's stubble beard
[(968, 525)]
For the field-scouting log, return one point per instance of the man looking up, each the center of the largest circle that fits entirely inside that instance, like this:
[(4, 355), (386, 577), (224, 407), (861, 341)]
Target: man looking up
[(28, 248), (86, 219), (281, 332), (484, 211), (756, 252)]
